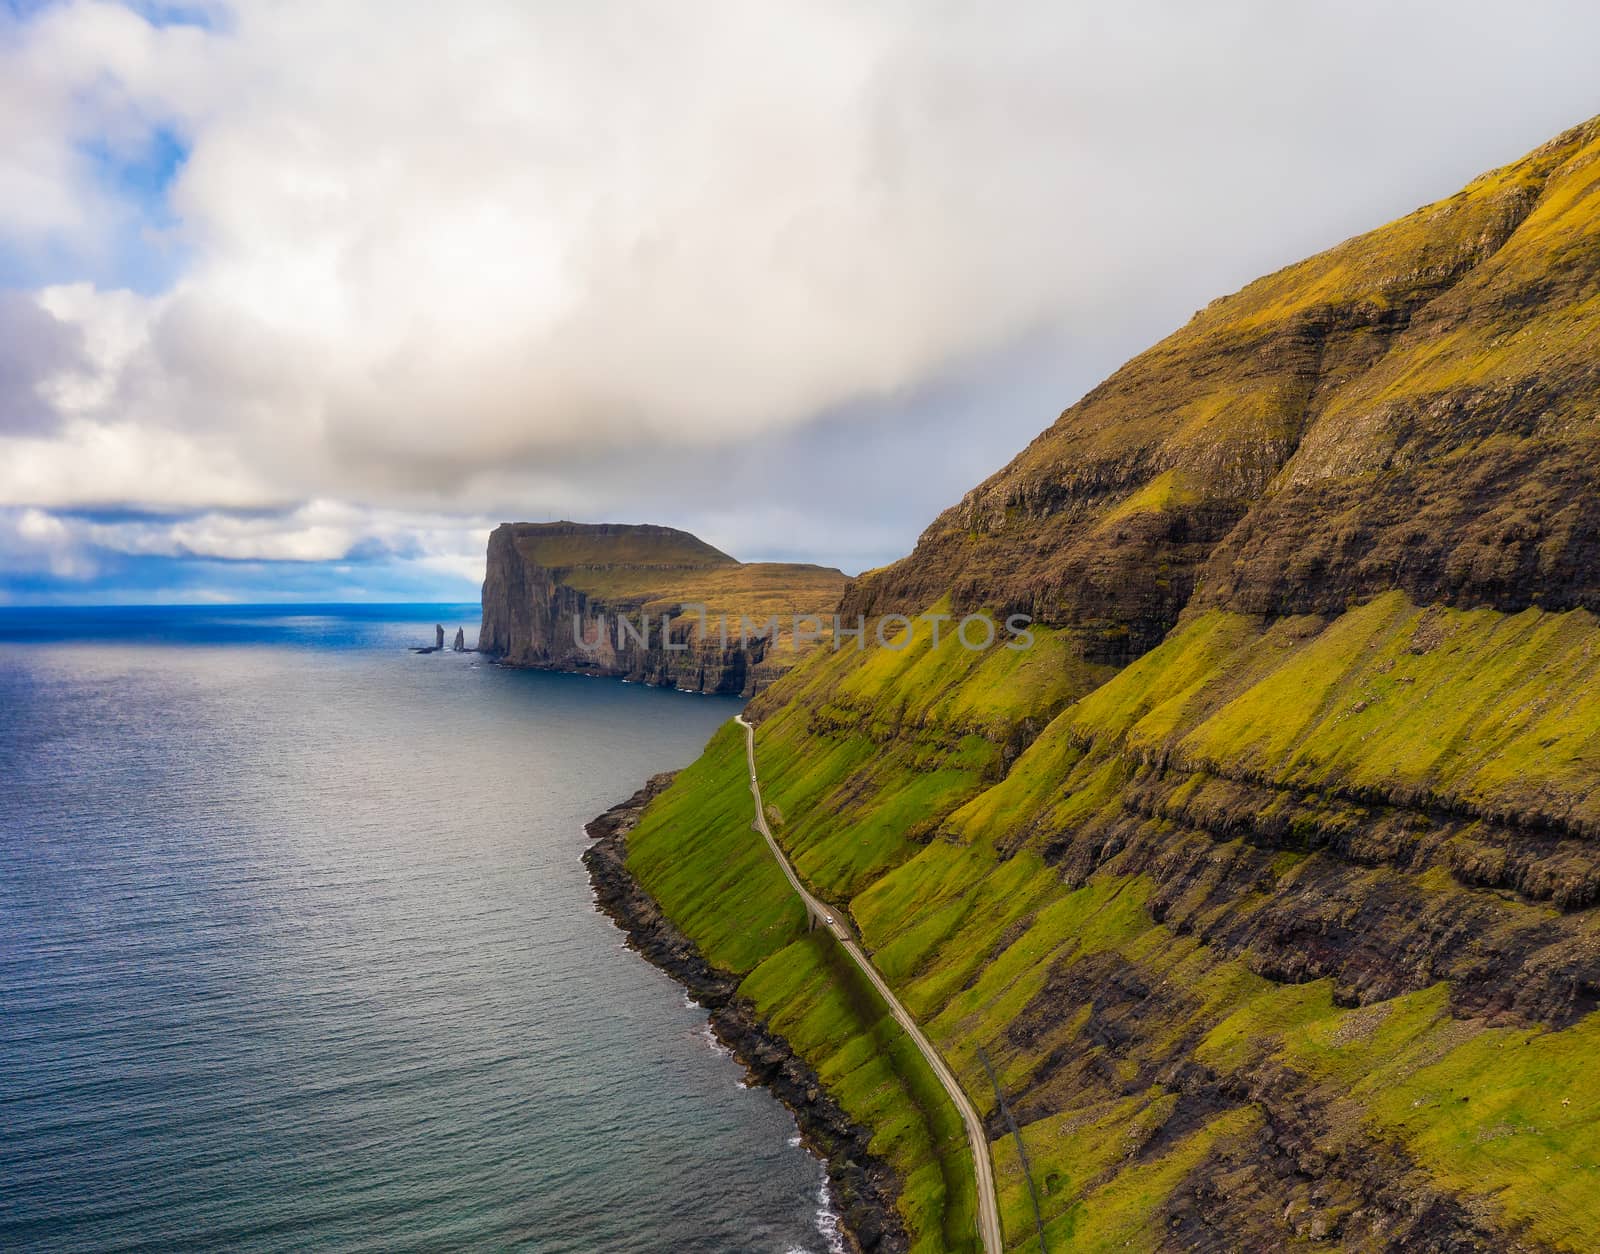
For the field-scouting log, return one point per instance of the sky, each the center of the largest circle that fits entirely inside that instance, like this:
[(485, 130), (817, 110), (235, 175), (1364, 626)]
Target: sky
[(298, 300)]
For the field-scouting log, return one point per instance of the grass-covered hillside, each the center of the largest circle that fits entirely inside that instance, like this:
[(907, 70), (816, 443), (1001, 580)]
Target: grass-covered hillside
[(1267, 878), (1413, 408), (640, 567)]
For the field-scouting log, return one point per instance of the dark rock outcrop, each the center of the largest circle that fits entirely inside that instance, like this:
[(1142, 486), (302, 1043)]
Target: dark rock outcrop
[(863, 1186)]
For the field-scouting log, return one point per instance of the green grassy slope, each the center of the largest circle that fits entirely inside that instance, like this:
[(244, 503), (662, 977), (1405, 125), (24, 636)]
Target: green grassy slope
[(1131, 1007), (569, 545), (659, 568), (1266, 878), (696, 854)]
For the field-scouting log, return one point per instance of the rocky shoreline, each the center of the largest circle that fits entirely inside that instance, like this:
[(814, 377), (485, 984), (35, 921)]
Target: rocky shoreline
[(864, 1187)]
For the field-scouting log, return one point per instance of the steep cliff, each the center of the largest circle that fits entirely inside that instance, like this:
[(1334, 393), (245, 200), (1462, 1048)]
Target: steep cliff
[(607, 599), (1411, 409), (1267, 877)]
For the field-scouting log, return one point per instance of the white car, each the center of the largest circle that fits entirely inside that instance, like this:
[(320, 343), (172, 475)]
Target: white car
[(828, 919)]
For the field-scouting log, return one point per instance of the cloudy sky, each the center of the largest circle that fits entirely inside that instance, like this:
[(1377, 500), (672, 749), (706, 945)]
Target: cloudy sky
[(298, 299)]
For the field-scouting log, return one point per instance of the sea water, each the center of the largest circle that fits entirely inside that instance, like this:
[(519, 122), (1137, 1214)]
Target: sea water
[(296, 952)]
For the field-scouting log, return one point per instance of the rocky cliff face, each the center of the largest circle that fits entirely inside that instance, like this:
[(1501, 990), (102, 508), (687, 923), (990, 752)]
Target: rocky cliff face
[(1268, 877), (556, 596), (1409, 409)]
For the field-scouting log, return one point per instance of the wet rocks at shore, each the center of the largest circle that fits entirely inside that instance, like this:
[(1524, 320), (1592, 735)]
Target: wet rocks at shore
[(864, 1187)]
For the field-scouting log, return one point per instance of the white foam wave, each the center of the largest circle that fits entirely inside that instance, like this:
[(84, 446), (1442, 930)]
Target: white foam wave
[(712, 1043), (829, 1227)]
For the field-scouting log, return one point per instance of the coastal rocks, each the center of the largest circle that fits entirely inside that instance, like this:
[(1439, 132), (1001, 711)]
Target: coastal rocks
[(863, 1186), (460, 645)]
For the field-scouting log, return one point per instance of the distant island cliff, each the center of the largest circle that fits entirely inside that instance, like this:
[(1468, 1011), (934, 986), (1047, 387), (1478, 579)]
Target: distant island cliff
[(593, 598)]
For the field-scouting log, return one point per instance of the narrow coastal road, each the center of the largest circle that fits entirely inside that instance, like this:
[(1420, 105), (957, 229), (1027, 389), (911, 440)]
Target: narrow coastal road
[(982, 1168)]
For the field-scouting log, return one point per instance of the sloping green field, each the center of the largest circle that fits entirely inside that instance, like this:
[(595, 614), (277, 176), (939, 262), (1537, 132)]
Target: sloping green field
[(1140, 1025)]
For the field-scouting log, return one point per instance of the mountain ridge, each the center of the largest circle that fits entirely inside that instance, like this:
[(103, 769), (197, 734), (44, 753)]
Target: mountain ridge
[(1267, 877), (1160, 463)]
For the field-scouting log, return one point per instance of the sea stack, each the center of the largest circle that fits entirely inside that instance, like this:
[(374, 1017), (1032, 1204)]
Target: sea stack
[(438, 635), (460, 645)]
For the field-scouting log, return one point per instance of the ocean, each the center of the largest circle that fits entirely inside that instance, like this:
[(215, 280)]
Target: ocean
[(297, 953)]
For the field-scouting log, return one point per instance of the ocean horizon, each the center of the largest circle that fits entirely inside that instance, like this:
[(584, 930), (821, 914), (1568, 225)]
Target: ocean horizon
[(296, 951)]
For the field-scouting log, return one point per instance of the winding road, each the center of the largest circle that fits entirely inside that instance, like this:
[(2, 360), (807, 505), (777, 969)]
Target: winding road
[(982, 1168)]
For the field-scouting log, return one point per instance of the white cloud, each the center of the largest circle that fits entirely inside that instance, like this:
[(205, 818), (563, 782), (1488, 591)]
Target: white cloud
[(39, 543), (325, 550), (436, 262), (522, 232), (38, 527), (465, 567)]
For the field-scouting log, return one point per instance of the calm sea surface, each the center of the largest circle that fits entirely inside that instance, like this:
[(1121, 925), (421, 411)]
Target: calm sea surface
[(296, 952)]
